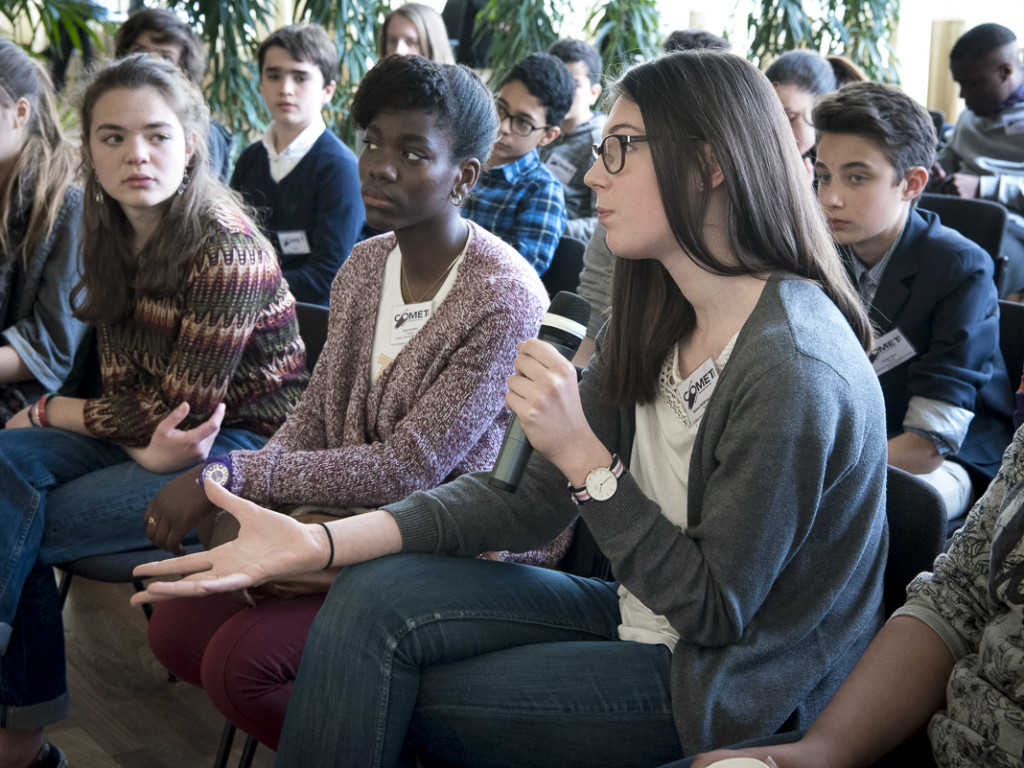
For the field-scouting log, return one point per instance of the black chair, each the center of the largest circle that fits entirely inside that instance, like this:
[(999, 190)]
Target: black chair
[(115, 568), (917, 532), (313, 330), (982, 221), (564, 272), (1011, 339), (916, 515)]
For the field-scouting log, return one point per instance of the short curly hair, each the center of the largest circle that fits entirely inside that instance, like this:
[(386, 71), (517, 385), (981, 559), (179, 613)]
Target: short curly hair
[(454, 93), (980, 41), (546, 77), (571, 51)]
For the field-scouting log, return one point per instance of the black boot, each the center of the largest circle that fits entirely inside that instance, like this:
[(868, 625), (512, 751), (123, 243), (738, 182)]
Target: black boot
[(50, 757)]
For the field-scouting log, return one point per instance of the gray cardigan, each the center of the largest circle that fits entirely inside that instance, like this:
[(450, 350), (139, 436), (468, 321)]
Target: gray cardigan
[(43, 332), (775, 586)]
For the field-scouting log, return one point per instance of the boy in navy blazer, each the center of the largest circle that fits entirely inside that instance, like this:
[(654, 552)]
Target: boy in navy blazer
[(929, 290), (302, 181)]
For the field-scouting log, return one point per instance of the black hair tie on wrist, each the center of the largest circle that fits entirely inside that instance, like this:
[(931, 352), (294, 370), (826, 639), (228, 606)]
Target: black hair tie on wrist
[(331, 540)]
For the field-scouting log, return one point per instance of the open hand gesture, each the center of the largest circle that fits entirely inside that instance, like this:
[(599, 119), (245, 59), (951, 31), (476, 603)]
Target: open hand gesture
[(269, 546)]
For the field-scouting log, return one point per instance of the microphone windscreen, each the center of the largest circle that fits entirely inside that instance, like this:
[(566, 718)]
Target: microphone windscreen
[(570, 306)]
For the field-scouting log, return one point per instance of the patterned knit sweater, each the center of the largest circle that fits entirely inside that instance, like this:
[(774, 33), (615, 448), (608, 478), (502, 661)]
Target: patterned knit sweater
[(436, 412), (230, 335)]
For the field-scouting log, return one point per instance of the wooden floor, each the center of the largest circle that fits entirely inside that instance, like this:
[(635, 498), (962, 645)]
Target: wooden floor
[(124, 712)]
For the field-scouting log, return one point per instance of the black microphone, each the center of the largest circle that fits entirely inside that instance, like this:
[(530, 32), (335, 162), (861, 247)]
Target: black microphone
[(564, 325)]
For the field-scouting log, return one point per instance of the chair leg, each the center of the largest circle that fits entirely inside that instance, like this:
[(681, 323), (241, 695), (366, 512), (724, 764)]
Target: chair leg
[(248, 752), (147, 608), (227, 736), (63, 587)]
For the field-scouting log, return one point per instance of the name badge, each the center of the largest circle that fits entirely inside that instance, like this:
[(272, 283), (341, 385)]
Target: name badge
[(407, 320), (293, 242), (696, 391), (562, 168), (891, 350), (1013, 125)]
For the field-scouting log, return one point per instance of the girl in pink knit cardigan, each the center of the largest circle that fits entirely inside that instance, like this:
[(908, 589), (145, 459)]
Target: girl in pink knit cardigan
[(408, 393)]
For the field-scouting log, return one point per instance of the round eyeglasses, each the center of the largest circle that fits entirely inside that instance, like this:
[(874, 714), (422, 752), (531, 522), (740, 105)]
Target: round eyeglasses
[(520, 126), (612, 150)]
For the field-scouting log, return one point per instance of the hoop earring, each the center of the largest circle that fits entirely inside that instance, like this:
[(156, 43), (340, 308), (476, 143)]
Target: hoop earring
[(185, 179), (98, 193), (456, 199)]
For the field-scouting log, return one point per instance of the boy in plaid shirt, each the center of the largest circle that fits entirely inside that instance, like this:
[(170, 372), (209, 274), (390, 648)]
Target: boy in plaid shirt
[(517, 197)]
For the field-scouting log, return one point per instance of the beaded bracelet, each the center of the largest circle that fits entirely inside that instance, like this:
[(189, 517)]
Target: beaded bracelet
[(41, 409)]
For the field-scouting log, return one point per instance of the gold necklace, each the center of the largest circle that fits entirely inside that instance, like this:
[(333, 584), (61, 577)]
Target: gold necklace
[(405, 279)]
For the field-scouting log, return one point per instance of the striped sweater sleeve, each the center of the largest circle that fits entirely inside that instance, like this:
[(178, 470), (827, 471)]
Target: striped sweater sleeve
[(186, 348)]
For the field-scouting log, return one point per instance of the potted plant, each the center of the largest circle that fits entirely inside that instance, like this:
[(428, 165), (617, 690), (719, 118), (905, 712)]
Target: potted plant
[(861, 30), (625, 31), (516, 29)]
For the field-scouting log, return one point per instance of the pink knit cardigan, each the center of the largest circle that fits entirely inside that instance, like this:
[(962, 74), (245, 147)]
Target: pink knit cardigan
[(436, 412)]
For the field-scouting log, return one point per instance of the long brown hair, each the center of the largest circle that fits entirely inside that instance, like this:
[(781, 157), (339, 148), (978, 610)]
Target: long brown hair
[(46, 164), (111, 277), (689, 100)]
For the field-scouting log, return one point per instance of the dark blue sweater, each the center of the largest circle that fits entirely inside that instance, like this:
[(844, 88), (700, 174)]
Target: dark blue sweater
[(319, 197)]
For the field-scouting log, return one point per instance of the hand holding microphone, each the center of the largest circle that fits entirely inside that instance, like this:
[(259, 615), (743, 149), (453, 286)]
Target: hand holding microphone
[(563, 327)]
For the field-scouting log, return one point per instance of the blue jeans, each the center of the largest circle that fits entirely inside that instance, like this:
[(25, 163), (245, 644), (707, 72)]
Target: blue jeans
[(478, 663), (62, 496)]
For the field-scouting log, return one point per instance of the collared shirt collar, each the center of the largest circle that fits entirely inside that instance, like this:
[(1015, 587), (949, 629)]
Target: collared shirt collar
[(509, 171), (282, 163), (867, 279)]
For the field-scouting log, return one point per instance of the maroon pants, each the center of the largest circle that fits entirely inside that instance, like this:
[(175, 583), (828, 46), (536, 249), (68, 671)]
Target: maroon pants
[(245, 658)]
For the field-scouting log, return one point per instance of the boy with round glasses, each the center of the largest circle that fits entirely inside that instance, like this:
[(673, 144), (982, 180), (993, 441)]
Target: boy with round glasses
[(518, 198)]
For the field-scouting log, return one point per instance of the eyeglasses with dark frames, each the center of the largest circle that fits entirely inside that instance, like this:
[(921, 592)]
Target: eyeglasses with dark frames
[(520, 126), (612, 150)]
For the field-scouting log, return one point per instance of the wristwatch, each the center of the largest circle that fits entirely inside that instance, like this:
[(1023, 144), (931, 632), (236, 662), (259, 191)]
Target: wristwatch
[(216, 469), (601, 483)]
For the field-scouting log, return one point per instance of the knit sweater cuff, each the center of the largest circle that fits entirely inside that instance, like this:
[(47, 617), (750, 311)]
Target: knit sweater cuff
[(619, 518), (245, 477), (416, 523)]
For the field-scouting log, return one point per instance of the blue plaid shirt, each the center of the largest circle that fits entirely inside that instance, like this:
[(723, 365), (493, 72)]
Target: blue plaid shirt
[(523, 204)]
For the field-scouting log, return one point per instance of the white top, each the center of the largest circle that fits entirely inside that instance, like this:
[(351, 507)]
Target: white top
[(282, 163), (398, 322), (660, 464)]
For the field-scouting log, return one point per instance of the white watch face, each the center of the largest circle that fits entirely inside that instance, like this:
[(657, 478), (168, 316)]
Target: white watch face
[(215, 473), (602, 484)]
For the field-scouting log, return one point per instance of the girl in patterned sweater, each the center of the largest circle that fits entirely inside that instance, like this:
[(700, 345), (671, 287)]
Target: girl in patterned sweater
[(409, 391), (198, 349)]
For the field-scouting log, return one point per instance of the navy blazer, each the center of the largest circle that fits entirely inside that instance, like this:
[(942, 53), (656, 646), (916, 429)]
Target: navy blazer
[(939, 291), (320, 196)]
